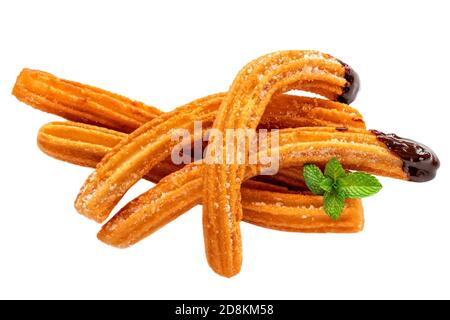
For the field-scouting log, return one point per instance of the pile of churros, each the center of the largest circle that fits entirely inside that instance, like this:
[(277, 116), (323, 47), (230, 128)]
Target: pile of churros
[(126, 140)]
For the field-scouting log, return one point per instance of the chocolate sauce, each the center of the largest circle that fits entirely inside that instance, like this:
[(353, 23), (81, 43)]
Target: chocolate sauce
[(419, 161), (350, 91), (341, 129)]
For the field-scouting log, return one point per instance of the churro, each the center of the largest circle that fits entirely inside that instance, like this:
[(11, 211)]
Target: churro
[(298, 213), (180, 191), (87, 104), (79, 102), (86, 145), (243, 108), (264, 204)]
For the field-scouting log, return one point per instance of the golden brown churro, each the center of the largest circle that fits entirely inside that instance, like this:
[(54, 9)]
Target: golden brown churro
[(86, 145), (83, 144), (269, 209), (180, 191), (298, 213), (87, 104), (243, 108), (356, 149), (78, 102)]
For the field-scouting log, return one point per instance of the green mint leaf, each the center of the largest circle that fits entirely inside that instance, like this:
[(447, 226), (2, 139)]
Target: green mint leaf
[(333, 204), (334, 170), (336, 185), (359, 185), (313, 177), (326, 184)]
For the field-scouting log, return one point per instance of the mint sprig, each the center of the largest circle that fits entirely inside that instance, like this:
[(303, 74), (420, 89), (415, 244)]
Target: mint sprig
[(335, 184)]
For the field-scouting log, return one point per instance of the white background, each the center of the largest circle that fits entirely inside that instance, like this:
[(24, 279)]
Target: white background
[(170, 53)]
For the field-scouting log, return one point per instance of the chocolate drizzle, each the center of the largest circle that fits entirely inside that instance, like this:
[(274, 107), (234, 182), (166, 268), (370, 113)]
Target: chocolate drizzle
[(419, 161), (341, 129), (350, 91)]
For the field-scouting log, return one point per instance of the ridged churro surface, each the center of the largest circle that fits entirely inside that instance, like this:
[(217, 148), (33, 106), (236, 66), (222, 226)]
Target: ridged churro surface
[(79, 102)]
